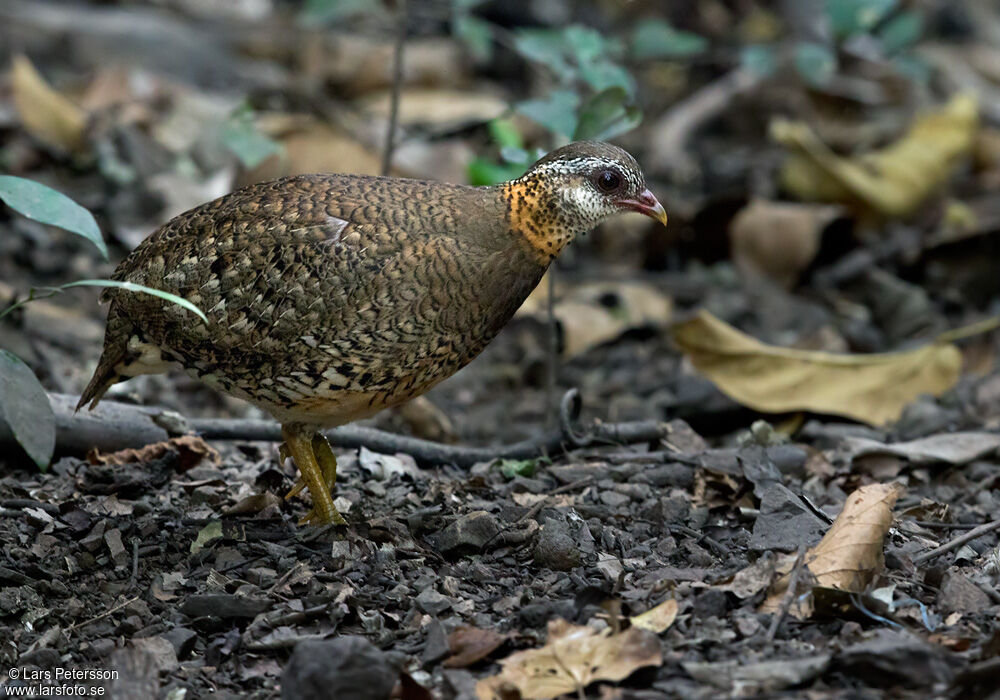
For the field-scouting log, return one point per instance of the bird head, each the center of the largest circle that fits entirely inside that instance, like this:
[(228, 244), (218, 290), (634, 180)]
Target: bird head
[(573, 189)]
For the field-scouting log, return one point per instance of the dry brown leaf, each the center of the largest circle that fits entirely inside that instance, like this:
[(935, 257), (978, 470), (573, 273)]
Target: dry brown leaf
[(850, 553), (470, 644), (255, 503), (573, 658), (871, 388), (750, 581), (46, 114), (192, 450), (657, 619), (890, 182), (779, 239), (596, 313)]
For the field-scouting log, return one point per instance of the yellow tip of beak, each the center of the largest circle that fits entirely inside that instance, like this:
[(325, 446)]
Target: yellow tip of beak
[(659, 213)]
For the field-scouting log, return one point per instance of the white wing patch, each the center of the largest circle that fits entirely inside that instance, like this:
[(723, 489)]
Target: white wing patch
[(335, 228)]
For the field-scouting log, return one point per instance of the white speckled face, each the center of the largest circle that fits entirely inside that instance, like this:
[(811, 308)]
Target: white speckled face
[(592, 186), (591, 206), (573, 189)]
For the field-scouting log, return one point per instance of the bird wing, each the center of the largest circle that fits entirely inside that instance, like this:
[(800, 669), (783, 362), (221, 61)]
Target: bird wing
[(344, 276)]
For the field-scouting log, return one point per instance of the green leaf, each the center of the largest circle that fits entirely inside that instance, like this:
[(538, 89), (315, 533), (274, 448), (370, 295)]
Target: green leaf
[(477, 35), (658, 39), (512, 468), (602, 74), (241, 136), (557, 112), (504, 133), (210, 532), (546, 47), (816, 63), (759, 60), (327, 11), (132, 287), (607, 114), (514, 155), (901, 31), (483, 171), (849, 17), (25, 408), (45, 205), (587, 45)]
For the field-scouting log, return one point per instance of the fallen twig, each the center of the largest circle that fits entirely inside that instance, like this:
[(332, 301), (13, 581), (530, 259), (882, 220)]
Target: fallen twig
[(109, 611), (114, 426), (957, 542), (786, 602)]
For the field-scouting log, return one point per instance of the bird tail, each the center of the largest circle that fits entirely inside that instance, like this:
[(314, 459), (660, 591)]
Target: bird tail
[(104, 377), (116, 337)]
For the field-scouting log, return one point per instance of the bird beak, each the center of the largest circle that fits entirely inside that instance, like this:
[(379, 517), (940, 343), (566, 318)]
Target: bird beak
[(646, 204)]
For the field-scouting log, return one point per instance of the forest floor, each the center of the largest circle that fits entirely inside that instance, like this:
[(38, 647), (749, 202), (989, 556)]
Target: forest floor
[(182, 569)]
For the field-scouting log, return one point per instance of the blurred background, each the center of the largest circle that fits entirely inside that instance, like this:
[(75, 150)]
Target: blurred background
[(830, 168)]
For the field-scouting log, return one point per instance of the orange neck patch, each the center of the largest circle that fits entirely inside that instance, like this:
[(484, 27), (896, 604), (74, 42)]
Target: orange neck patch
[(535, 213)]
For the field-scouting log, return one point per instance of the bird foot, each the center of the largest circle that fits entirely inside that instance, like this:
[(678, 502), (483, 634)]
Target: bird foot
[(318, 468), (314, 518)]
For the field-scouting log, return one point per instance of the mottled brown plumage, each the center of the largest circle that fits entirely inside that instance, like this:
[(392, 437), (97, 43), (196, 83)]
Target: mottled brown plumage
[(331, 297)]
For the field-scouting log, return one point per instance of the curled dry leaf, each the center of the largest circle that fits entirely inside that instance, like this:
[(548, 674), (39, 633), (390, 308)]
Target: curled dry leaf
[(951, 448), (255, 503), (573, 658), (427, 421), (779, 239), (191, 448), (47, 115), (870, 388), (592, 314), (890, 182), (850, 554), (470, 644), (657, 619), (750, 581)]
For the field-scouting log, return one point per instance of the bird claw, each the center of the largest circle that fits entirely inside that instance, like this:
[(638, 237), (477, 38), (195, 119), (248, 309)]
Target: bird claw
[(314, 518)]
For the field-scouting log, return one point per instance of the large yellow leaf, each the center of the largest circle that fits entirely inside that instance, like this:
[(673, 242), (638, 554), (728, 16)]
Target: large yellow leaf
[(869, 388), (892, 181), (46, 114)]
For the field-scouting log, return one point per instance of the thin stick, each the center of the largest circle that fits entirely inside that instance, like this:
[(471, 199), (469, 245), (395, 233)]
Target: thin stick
[(135, 562), (397, 81), (114, 426), (552, 366), (110, 611), (786, 602), (957, 542)]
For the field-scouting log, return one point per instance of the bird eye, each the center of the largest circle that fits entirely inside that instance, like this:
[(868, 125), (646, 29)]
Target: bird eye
[(608, 181)]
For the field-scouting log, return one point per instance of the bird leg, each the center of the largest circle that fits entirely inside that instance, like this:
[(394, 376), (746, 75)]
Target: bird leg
[(301, 445), (324, 456)]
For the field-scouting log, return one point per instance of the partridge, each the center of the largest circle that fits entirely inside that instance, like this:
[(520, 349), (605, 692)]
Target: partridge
[(332, 297)]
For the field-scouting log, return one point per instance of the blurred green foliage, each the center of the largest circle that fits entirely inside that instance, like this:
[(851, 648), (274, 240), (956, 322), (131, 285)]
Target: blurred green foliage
[(656, 38), (24, 405), (240, 135)]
